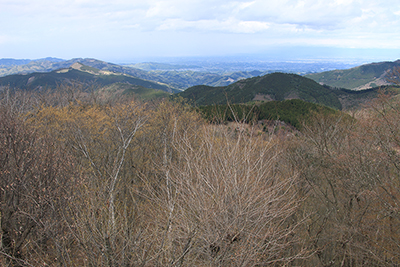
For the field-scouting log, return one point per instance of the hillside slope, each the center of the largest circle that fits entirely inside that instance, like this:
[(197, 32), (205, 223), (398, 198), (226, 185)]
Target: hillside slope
[(358, 78), (77, 72), (275, 86)]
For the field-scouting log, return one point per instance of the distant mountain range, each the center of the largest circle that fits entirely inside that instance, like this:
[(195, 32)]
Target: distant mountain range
[(175, 79), (358, 78), (14, 62), (81, 73), (210, 88), (182, 76), (50, 64)]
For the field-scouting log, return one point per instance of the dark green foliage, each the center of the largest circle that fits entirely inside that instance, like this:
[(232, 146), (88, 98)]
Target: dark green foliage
[(293, 112), (276, 86), (373, 92), (140, 91), (355, 99)]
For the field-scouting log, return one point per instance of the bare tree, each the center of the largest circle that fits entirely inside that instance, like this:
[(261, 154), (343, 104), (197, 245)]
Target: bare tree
[(346, 165), (33, 187), (394, 76), (103, 214), (226, 201)]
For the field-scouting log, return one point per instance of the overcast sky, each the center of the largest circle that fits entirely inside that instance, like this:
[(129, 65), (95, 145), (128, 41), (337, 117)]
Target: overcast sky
[(125, 30)]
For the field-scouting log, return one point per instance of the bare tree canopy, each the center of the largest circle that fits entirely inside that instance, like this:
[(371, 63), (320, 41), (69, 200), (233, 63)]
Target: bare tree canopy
[(88, 182)]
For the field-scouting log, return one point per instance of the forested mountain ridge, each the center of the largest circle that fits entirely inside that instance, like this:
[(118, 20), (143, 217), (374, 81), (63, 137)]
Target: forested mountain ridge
[(357, 78), (274, 86), (78, 72)]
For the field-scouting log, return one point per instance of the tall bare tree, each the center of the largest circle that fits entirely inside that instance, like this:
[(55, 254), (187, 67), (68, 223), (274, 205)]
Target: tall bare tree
[(33, 188), (103, 213), (226, 201)]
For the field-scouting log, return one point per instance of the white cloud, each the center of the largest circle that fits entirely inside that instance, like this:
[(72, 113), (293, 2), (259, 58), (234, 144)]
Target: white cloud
[(229, 25), (153, 14), (252, 26), (3, 39), (344, 23)]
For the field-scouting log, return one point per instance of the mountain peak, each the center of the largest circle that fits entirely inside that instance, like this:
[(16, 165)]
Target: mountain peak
[(77, 66), (276, 86)]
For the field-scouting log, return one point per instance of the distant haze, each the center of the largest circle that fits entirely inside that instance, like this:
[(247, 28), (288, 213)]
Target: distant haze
[(125, 31)]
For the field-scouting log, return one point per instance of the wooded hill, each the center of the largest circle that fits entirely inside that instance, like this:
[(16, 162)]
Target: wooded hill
[(78, 72), (278, 87), (358, 78)]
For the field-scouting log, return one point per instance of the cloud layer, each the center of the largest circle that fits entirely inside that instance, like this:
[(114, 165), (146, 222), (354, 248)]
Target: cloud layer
[(173, 26)]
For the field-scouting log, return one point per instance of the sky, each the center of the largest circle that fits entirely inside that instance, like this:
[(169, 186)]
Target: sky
[(127, 31)]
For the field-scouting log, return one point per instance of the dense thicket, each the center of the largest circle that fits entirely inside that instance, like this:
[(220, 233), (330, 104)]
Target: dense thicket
[(294, 112), (126, 183)]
